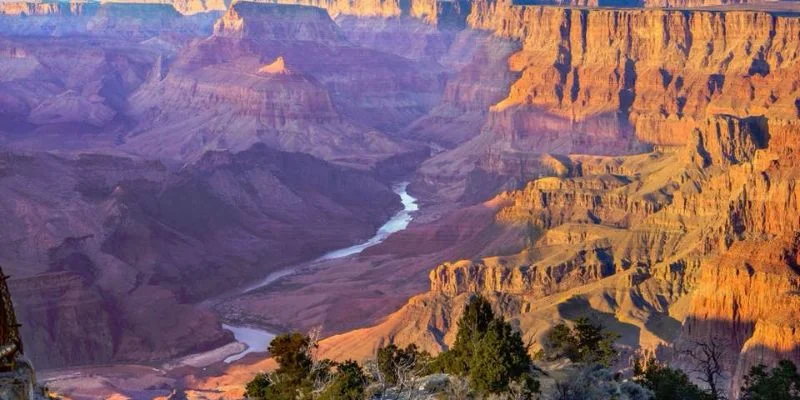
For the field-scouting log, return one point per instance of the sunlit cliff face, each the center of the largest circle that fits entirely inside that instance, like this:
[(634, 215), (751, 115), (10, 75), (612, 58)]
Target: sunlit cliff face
[(160, 162)]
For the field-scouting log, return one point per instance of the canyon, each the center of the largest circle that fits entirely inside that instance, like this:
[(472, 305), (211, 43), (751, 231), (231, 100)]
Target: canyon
[(634, 162)]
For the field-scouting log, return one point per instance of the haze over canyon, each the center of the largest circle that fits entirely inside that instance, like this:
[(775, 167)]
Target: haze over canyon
[(181, 180)]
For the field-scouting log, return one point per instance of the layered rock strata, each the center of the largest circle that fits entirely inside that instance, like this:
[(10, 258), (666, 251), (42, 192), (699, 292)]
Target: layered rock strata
[(665, 248)]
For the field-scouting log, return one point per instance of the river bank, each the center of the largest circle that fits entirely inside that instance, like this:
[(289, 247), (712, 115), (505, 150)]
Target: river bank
[(257, 339)]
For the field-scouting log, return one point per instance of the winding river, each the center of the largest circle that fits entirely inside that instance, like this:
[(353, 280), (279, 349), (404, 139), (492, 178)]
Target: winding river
[(257, 340)]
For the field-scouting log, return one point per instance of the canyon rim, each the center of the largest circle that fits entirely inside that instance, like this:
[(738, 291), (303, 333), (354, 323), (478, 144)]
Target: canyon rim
[(180, 181)]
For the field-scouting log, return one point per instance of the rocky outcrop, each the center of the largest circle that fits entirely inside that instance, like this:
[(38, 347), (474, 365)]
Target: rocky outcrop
[(276, 67), (597, 69), (120, 20), (186, 7), (337, 106), (447, 14), (665, 248), (613, 82), (246, 20), (19, 383)]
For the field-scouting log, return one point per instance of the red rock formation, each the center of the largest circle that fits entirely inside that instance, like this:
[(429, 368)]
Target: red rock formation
[(657, 69), (604, 81), (705, 236)]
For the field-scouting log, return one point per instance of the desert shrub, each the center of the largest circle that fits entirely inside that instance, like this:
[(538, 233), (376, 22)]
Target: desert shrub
[(395, 363), (348, 383), (258, 388), (782, 383), (585, 342), (299, 374), (595, 382), (666, 383)]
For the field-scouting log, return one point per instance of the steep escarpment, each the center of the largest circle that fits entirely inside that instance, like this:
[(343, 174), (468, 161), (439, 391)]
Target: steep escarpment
[(446, 14), (665, 248), (254, 21), (744, 295), (102, 238), (120, 20), (336, 104), (616, 81), (661, 71), (186, 7)]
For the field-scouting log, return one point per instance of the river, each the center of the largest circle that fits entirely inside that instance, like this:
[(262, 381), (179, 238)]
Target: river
[(257, 340)]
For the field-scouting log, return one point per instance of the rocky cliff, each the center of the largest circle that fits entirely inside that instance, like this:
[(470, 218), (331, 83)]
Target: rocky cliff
[(276, 22), (615, 81), (186, 7), (647, 160), (122, 20), (447, 14), (660, 71), (338, 102), (665, 248)]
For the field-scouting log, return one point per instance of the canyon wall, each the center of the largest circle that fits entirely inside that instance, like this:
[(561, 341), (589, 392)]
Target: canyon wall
[(94, 241), (683, 244), (118, 20), (613, 82), (648, 155), (660, 71)]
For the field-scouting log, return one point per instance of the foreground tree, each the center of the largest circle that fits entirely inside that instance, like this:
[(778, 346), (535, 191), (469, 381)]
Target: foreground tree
[(586, 342), (489, 351), (258, 388), (347, 383), (707, 358), (499, 358), (782, 383), (472, 325), (299, 374), (397, 368), (666, 383)]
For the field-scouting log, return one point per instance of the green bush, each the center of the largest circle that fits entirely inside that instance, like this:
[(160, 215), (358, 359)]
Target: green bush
[(258, 388), (782, 383), (666, 383), (595, 382), (586, 342), (296, 374), (487, 350), (392, 361), (348, 383)]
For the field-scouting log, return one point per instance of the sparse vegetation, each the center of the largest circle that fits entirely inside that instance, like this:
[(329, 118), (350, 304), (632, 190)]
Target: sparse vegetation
[(586, 342), (488, 351), (595, 382), (397, 368), (489, 361), (299, 374), (666, 383), (348, 383), (782, 383), (706, 357)]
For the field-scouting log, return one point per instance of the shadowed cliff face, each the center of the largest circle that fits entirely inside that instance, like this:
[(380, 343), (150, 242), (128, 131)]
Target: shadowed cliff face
[(335, 100), (101, 238), (130, 21)]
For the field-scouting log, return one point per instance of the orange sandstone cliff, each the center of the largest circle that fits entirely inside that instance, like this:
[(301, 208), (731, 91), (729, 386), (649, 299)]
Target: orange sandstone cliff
[(665, 248)]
